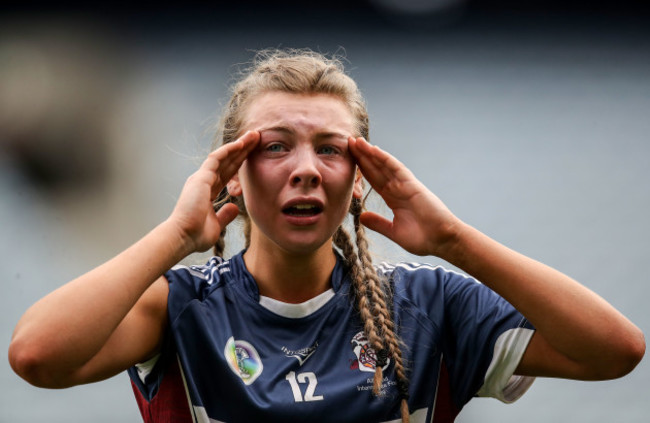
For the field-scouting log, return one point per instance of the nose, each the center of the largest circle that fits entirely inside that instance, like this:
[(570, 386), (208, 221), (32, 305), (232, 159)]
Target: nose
[(306, 172)]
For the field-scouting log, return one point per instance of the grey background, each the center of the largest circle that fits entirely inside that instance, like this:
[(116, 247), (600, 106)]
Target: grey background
[(532, 126)]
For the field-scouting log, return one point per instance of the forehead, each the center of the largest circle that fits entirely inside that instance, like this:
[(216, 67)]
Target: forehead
[(299, 112)]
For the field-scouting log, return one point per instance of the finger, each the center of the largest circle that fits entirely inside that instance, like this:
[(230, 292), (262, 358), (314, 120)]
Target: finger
[(229, 157), (362, 154), (234, 151), (374, 159), (224, 162), (379, 167), (243, 146), (377, 223), (383, 160)]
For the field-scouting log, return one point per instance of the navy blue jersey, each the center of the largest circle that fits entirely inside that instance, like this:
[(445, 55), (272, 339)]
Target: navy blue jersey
[(248, 358)]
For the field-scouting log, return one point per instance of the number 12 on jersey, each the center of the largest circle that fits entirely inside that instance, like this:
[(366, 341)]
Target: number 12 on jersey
[(307, 377)]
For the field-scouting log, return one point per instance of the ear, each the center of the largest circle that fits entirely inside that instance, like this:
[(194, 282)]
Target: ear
[(234, 187), (357, 190)]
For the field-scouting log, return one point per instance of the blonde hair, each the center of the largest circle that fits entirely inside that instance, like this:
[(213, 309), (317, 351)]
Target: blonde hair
[(306, 72)]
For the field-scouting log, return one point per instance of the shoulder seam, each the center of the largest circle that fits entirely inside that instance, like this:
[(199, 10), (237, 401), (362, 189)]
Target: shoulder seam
[(207, 271), (411, 308)]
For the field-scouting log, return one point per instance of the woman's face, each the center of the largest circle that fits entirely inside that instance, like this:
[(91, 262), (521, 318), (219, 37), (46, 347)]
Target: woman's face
[(298, 183)]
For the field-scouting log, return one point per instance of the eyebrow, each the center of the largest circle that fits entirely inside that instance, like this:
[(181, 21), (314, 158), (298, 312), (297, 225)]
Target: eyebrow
[(289, 131), (283, 129)]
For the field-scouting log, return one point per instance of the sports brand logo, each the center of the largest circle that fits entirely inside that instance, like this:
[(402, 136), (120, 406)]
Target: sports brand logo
[(366, 356), (243, 360), (302, 354)]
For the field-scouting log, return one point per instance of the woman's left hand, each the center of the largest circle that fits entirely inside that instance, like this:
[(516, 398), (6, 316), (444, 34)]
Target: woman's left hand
[(421, 223)]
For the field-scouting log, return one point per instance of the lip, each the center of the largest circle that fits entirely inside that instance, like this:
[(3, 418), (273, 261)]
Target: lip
[(303, 220), (312, 201)]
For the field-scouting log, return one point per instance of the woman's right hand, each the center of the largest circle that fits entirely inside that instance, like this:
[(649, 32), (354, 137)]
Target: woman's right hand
[(194, 217), (115, 315)]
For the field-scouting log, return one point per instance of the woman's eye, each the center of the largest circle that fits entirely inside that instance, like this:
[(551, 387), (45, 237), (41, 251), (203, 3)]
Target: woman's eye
[(327, 149), (275, 148)]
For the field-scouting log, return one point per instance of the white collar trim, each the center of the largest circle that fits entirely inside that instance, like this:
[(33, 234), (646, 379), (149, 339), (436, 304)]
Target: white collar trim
[(296, 311)]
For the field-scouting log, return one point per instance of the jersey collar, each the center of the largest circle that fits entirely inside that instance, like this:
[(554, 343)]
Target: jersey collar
[(242, 276)]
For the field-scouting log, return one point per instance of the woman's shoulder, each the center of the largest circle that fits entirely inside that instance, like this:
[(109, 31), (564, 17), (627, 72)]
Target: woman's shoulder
[(425, 284), (208, 272), (421, 274), (197, 281)]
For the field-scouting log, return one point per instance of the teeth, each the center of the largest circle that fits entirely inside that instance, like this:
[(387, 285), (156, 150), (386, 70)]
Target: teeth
[(302, 210)]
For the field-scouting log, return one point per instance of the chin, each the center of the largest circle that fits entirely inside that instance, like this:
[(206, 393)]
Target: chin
[(303, 249), (304, 246), (294, 241)]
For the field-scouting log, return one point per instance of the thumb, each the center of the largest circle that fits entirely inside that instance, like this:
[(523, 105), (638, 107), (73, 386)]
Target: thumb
[(377, 223), (227, 214)]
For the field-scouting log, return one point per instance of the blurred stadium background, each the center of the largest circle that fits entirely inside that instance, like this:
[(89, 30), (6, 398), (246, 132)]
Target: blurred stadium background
[(530, 121)]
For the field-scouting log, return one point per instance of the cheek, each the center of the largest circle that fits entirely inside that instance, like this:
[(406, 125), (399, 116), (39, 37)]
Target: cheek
[(343, 173), (253, 173), (342, 165), (261, 180), (339, 181)]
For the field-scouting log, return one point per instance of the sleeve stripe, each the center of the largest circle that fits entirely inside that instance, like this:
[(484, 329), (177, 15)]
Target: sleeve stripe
[(500, 381)]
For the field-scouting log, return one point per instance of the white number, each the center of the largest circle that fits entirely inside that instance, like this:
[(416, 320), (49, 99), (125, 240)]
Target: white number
[(311, 386), (297, 395), (310, 379)]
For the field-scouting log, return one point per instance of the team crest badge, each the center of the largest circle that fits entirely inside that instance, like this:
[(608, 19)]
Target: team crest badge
[(243, 360), (366, 356)]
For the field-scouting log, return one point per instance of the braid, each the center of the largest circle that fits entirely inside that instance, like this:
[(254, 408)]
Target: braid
[(372, 292), (220, 245), (343, 241), (222, 198)]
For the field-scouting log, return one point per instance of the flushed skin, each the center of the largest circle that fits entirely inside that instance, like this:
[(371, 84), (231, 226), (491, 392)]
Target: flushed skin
[(302, 159)]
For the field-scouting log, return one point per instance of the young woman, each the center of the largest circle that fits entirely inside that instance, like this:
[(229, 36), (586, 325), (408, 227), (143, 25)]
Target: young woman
[(301, 325)]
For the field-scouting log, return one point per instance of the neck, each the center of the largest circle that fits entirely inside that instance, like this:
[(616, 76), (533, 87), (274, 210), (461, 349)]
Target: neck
[(290, 277)]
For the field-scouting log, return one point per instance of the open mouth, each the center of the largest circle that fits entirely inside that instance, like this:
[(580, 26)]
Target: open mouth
[(302, 210)]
